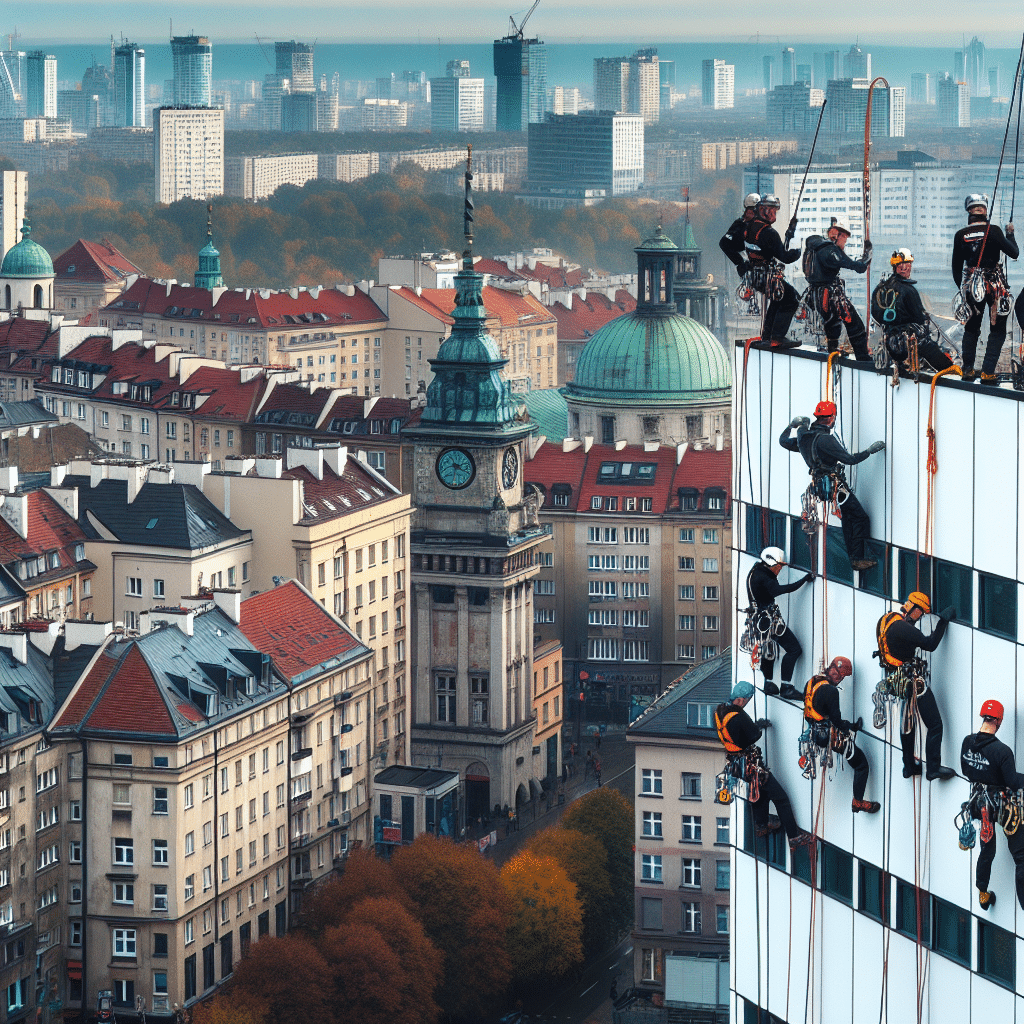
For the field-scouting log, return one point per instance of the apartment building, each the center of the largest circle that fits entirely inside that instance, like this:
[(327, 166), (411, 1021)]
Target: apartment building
[(89, 275), (682, 858)]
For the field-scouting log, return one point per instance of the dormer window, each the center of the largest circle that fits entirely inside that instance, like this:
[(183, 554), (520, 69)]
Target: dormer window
[(175, 398), (69, 375), (186, 400), (134, 393), (55, 375)]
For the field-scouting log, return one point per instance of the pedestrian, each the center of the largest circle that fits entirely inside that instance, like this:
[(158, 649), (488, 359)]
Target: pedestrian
[(897, 308), (597, 738), (589, 764), (977, 252), (597, 773), (823, 259), (767, 254), (825, 456)]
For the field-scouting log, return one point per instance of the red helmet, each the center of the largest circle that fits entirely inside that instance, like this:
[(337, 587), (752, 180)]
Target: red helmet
[(992, 709), (823, 409), (841, 667)]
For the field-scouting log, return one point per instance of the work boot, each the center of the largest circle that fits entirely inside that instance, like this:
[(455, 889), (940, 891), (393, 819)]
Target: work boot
[(774, 824), (770, 688), (803, 839), (968, 375), (790, 692), (987, 900), (909, 771), (781, 343), (989, 379), (941, 773), (860, 564), (870, 806)]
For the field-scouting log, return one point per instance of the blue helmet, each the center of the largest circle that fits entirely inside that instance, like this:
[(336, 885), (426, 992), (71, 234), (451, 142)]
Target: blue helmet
[(742, 689)]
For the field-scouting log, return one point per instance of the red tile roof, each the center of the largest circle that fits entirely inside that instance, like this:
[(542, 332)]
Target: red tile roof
[(334, 495), (590, 314), (298, 634), (495, 268), (510, 308), (50, 529), (229, 398), (261, 309), (94, 262)]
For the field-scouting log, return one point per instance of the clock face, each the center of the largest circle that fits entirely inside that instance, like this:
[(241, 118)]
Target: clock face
[(509, 468), (455, 468)]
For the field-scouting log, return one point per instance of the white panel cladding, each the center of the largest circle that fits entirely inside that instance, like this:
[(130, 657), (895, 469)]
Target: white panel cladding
[(989, 1002), (866, 960), (955, 483), (996, 437), (835, 978)]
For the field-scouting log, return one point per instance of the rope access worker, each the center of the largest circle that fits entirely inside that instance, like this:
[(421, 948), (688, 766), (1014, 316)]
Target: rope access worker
[(976, 252), (899, 640), (763, 589), (733, 241), (822, 713), (739, 736), (825, 456), (897, 308), (823, 259), (767, 253), (988, 762)]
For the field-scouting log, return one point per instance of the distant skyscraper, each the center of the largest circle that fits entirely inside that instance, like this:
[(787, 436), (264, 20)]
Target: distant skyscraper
[(768, 73), (41, 85), (993, 82), (630, 85), (193, 71), (130, 86), (969, 66), (788, 66), (825, 67), (298, 112), (857, 63), (897, 112), (848, 103), (953, 100), (457, 101), (803, 73), (521, 68), (717, 84), (12, 83), (922, 88), (294, 61), (611, 83), (188, 149), (457, 69), (666, 82), (789, 109), (565, 100)]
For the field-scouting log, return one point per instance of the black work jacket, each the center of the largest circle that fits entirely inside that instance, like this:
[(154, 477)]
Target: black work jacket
[(899, 295), (972, 240), (987, 760)]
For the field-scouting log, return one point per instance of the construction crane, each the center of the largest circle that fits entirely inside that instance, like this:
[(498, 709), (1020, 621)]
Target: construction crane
[(11, 36), (516, 31)]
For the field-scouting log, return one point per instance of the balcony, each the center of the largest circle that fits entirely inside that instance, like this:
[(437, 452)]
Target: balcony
[(342, 698), (298, 755)]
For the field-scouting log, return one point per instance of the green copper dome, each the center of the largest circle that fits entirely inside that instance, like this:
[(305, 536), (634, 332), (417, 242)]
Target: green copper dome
[(657, 359), (27, 259), (657, 242)]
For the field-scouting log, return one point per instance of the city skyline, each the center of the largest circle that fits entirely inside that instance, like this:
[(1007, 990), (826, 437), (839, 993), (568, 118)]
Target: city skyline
[(937, 23)]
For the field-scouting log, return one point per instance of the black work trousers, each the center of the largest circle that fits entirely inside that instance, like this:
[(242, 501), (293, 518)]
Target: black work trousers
[(789, 643), (1015, 844), (771, 790), (972, 332), (932, 720), (859, 763), (779, 314), (832, 322), (856, 527)]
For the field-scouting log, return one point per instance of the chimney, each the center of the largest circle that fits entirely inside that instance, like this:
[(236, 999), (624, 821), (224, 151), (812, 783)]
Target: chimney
[(154, 618), (311, 458), (269, 468), (335, 455), (719, 441), (66, 497), (44, 639), (8, 478), (17, 644), (238, 465), (14, 509), (230, 603), (91, 633)]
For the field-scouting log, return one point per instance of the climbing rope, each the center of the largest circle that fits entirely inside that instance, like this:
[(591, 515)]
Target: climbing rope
[(866, 186), (933, 460)]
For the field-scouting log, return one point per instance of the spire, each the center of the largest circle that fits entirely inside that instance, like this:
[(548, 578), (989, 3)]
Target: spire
[(655, 260), (468, 388), (208, 273)]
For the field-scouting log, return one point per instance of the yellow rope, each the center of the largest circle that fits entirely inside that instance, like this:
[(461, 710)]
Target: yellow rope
[(832, 356), (933, 460)]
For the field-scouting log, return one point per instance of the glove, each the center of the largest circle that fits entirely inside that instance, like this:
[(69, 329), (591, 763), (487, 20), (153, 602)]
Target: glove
[(763, 723), (1009, 229), (858, 725), (949, 614), (799, 421), (878, 446), (807, 579), (791, 232), (867, 246), (743, 268)]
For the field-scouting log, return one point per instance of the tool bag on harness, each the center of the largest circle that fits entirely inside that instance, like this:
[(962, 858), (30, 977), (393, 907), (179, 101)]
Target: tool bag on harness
[(759, 631), (809, 262), (828, 484)]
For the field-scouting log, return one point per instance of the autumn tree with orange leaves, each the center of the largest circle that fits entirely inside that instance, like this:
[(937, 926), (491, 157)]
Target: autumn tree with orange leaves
[(545, 919)]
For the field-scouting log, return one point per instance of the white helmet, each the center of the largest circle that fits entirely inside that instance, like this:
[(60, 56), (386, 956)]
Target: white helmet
[(976, 199), (841, 224), (770, 200), (773, 556), (751, 200), (901, 256)]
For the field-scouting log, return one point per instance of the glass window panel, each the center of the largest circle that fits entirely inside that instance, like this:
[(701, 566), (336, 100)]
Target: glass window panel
[(997, 605)]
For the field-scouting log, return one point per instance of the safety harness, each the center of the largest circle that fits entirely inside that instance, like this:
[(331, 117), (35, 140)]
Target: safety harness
[(759, 631), (991, 806), (820, 738), (828, 483), (903, 680), (766, 273), (983, 286), (742, 764)]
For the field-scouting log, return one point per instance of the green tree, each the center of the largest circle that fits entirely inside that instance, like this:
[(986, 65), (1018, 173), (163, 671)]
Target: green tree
[(458, 898), (607, 815), (586, 863), (546, 919)]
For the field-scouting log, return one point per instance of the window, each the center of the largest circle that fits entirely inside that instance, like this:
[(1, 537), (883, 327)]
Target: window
[(722, 920), (544, 587), (910, 904), (652, 964), (650, 914), (721, 874), (997, 954), (650, 781), (160, 800), (445, 691), (710, 536), (997, 605), (159, 851), (837, 873), (711, 593), (133, 588), (124, 851), (124, 942), (686, 563), (708, 652), (188, 796), (602, 649), (872, 890), (687, 593), (543, 615), (952, 935), (124, 892), (190, 886), (478, 689), (652, 824), (650, 867), (190, 843), (691, 918), (700, 716), (691, 872), (75, 851), (691, 828), (689, 786), (722, 831)]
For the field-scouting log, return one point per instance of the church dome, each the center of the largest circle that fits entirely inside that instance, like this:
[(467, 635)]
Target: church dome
[(666, 359), (27, 259)]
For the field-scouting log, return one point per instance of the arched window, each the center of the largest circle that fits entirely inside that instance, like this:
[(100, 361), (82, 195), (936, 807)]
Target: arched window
[(37, 296)]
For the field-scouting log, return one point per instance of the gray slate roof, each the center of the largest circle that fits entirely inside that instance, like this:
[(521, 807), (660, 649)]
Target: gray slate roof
[(413, 778), (707, 683)]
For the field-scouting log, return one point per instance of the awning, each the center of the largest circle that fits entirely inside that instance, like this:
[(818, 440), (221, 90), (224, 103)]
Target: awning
[(74, 970)]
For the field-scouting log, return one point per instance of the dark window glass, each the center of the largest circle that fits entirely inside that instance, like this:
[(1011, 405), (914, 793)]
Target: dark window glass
[(443, 595), (997, 606), (801, 545), (226, 954), (765, 529), (877, 580), (263, 924), (997, 957), (872, 891), (190, 976), (954, 585), (802, 862), (837, 563), (160, 944), (478, 596), (837, 872), (208, 976), (908, 905), (952, 934), (771, 848), (751, 1015), (607, 430), (915, 573)]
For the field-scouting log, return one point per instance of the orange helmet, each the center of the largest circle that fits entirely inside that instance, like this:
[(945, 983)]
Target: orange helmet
[(917, 600), (841, 667), (823, 409)]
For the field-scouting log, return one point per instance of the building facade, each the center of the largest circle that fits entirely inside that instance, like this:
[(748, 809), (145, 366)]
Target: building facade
[(188, 153), (192, 58), (718, 84), (130, 86), (41, 84), (521, 68)]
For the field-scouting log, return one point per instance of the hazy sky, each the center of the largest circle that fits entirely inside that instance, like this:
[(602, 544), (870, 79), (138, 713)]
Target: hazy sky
[(998, 23)]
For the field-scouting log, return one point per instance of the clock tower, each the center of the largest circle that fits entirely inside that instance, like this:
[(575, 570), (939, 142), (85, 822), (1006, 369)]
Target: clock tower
[(474, 540)]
